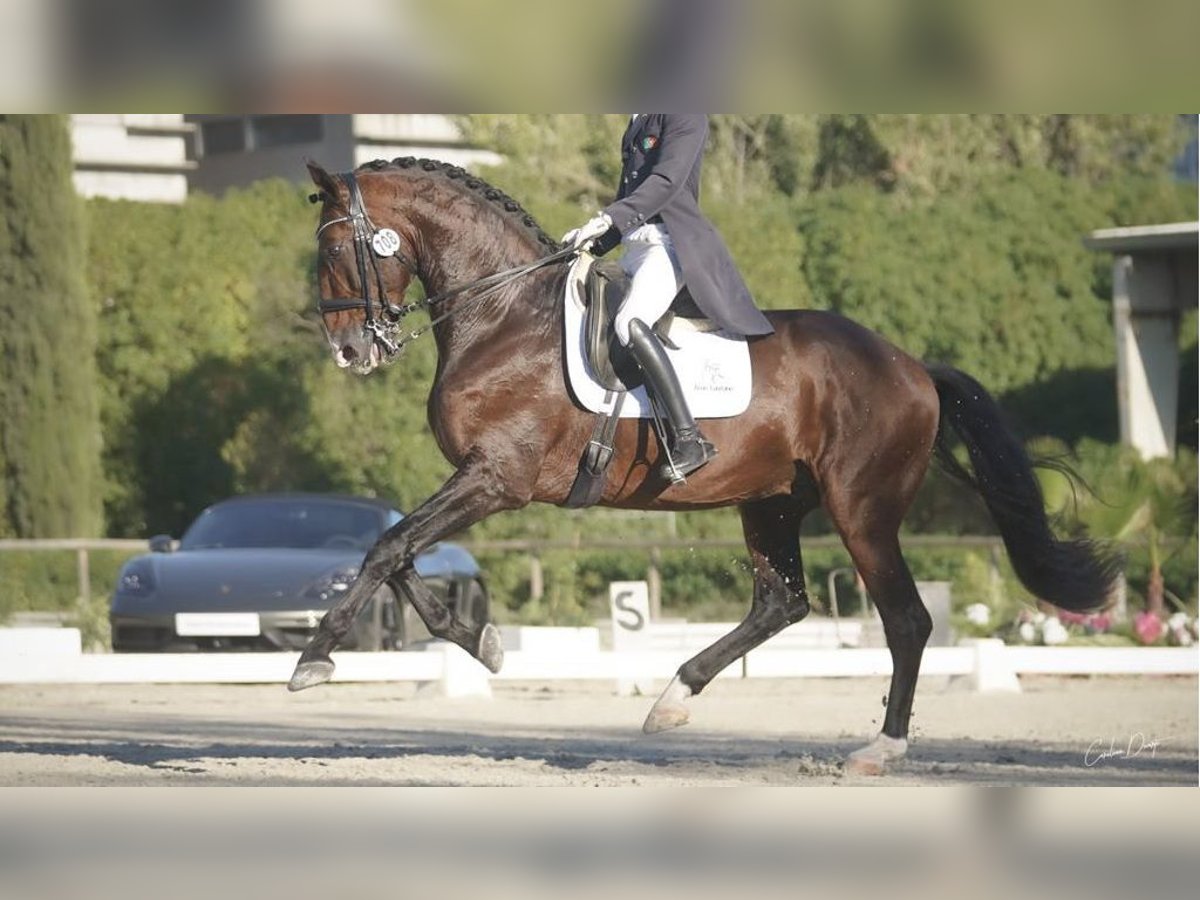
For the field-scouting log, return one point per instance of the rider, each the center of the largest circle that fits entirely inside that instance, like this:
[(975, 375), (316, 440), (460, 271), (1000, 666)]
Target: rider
[(668, 243)]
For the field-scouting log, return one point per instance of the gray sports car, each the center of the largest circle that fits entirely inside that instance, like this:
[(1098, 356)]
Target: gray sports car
[(259, 572)]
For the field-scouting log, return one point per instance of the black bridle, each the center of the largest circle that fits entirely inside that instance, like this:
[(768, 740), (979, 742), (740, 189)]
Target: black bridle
[(372, 244), (368, 243)]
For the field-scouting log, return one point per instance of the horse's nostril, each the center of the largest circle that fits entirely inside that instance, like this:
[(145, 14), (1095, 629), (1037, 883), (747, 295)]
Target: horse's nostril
[(349, 354)]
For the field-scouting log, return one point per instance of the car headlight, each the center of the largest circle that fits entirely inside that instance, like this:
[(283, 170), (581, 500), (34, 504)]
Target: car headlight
[(332, 584), (136, 579)]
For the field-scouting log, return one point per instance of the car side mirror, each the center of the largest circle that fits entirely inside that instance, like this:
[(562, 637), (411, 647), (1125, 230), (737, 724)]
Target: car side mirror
[(162, 543)]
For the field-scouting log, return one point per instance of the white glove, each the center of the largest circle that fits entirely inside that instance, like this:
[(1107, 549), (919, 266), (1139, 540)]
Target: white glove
[(585, 234)]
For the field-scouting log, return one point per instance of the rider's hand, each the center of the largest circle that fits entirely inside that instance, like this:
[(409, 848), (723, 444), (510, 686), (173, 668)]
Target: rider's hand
[(585, 234)]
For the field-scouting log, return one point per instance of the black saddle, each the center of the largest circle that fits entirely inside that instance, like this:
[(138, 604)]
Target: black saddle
[(605, 290)]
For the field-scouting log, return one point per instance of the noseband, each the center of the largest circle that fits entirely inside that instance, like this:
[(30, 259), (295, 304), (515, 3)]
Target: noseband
[(371, 244)]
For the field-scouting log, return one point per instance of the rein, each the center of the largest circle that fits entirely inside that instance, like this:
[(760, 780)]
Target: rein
[(371, 244)]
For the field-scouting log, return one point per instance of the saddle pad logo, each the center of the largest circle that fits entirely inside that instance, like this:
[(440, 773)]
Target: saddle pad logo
[(711, 377), (649, 142)]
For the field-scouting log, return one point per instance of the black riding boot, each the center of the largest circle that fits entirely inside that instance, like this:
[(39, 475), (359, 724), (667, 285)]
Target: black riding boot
[(689, 450)]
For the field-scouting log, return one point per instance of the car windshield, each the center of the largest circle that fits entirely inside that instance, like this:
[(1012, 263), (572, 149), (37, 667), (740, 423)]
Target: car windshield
[(299, 524)]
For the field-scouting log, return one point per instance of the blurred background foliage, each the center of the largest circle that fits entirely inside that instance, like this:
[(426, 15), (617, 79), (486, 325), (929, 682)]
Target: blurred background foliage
[(49, 433), (957, 237)]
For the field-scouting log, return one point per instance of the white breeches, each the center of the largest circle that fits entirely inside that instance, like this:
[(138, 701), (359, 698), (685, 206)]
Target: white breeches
[(651, 263)]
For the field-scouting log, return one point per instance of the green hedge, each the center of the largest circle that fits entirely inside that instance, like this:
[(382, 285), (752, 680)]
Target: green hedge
[(48, 581)]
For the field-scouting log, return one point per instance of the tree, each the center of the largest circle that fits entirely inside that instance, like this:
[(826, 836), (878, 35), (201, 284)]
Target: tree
[(994, 280), (552, 158), (49, 428), (196, 304), (923, 155)]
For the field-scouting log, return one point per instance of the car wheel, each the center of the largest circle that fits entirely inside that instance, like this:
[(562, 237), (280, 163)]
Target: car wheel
[(395, 625), (475, 605)]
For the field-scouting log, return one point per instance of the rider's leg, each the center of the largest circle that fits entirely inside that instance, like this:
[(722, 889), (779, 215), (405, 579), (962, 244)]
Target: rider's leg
[(689, 449), (656, 279)]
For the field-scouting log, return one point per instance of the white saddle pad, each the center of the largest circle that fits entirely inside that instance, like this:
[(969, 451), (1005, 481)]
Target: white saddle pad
[(713, 366)]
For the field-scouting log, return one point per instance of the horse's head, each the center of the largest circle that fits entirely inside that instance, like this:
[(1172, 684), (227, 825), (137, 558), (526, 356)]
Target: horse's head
[(363, 270)]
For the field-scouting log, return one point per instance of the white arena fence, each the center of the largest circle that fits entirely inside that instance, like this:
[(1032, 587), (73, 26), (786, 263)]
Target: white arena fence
[(53, 655)]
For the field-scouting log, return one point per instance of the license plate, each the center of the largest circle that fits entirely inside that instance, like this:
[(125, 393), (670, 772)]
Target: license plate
[(217, 625)]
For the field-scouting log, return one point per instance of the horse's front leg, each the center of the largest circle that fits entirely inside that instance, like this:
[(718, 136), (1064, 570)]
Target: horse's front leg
[(474, 492)]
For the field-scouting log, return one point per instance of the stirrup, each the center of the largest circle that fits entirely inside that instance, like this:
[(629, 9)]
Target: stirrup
[(676, 472)]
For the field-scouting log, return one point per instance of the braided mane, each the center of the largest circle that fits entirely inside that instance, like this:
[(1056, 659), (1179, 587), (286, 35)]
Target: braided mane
[(509, 207)]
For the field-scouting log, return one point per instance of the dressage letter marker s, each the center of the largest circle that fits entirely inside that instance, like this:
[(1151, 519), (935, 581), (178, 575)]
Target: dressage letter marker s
[(630, 602)]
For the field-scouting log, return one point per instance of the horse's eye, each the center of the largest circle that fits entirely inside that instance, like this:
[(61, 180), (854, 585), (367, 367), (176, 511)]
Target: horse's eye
[(334, 251)]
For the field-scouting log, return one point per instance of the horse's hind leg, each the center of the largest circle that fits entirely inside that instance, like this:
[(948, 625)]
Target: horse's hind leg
[(474, 492), (772, 529), (907, 625)]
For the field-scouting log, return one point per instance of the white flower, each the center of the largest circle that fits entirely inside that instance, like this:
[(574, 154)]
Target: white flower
[(1053, 632), (1039, 617), (978, 614), (1027, 632), (1179, 627)]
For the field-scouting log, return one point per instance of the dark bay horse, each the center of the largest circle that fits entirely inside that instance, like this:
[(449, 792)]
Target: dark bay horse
[(839, 418)]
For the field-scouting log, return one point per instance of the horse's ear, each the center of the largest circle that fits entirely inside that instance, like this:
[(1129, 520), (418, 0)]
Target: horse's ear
[(322, 179)]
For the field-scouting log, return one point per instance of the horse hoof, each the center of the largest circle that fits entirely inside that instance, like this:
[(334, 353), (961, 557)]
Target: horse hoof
[(310, 674), (873, 759), (664, 717), (491, 650), (861, 765), (668, 711)]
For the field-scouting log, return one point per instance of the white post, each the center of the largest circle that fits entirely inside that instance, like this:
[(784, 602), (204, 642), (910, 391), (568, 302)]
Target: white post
[(992, 670), (462, 676), (630, 606)]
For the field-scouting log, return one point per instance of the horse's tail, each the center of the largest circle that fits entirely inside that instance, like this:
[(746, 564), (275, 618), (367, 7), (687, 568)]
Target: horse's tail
[(1076, 575)]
